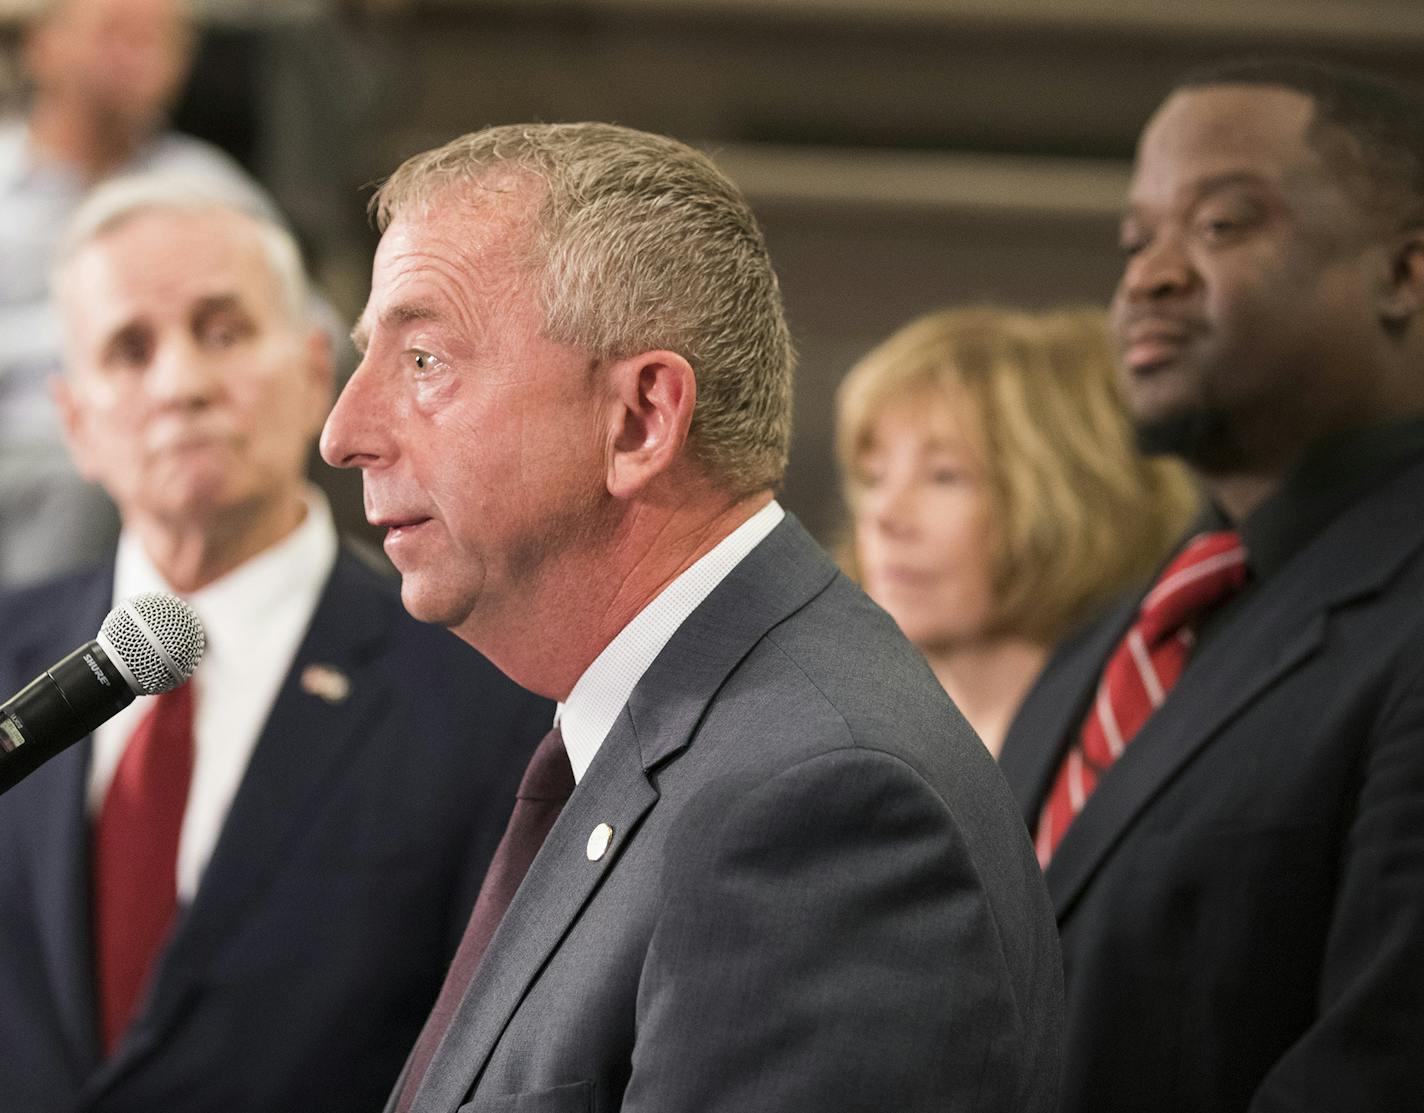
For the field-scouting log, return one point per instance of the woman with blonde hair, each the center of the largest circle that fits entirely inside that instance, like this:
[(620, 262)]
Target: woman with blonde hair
[(996, 494)]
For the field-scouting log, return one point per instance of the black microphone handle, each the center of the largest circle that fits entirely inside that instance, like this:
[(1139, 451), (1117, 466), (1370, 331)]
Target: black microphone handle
[(57, 709)]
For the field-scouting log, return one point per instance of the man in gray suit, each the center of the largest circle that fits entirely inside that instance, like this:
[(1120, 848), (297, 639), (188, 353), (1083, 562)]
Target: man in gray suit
[(788, 877)]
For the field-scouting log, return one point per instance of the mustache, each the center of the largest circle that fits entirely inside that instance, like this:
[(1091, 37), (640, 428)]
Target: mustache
[(1154, 320)]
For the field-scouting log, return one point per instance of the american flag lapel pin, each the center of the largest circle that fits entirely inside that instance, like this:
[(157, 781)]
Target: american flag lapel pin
[(326, 682)]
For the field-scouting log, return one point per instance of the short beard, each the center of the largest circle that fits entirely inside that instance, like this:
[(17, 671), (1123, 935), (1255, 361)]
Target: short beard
[(1203, 438)]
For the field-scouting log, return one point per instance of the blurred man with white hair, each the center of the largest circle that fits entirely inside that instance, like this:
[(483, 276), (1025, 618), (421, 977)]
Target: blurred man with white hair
[(243, 897)]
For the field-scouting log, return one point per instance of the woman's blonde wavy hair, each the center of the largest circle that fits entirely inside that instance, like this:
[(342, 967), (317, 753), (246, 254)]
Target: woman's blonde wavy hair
[(1079, 514)]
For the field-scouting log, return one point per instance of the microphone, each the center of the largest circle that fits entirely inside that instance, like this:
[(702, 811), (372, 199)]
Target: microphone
[(148, 644)]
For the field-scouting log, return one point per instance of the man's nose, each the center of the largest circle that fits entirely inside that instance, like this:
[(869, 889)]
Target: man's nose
[(356, 434), (181, 375), (1161, 268)]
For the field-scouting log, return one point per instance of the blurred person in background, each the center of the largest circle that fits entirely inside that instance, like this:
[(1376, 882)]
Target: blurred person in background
[(1225, 773), (997, 497), (241, 895), (102, 76)]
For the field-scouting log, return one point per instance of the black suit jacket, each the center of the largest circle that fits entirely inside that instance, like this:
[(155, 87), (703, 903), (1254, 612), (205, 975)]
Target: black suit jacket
[(299, 977), (1241, 902)]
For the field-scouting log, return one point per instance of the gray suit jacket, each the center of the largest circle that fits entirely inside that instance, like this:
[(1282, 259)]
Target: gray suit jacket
[(818, 894)]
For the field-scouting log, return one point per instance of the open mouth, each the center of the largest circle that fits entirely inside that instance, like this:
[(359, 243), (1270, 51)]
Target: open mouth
[(398, 528)]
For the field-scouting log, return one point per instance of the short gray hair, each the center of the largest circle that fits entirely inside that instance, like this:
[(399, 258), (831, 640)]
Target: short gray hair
[(642, 243), (122, 199)]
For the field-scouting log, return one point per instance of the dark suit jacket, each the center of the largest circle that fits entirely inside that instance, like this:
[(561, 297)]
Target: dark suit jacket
[(298, 978), (818, 895), (1241, 902)]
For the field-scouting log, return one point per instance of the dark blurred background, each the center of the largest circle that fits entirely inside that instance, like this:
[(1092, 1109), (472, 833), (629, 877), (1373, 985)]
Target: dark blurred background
[(902, 154)]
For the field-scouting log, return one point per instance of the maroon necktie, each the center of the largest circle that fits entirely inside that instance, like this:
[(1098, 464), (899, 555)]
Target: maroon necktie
[(136, 857), (1141, 671), (546, 787)]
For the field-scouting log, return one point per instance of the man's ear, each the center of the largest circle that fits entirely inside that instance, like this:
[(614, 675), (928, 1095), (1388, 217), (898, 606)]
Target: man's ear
[(71, 416), (651, 397), (1403, 297)]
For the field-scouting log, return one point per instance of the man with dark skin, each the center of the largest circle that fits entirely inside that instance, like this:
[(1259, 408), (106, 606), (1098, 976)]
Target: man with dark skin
[(1240, 887)]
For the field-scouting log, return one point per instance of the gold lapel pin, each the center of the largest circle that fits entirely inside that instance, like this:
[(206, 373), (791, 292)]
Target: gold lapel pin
[(598, 842), (326, 682)]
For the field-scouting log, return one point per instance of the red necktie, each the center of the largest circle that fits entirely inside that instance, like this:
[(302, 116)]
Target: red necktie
[(548, 782), (136, 857), (1141, 671)]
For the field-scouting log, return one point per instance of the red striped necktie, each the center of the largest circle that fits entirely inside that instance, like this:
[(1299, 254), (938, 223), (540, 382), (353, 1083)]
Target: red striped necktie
[(1141, 671), (136, 857)]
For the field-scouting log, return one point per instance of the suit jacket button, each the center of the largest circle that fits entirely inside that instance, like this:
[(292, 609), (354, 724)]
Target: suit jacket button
[(598, 842)]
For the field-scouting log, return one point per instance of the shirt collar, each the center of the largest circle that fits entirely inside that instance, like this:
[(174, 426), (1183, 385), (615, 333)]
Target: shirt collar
[(14, 153), (234, 601), (1332, 476), (21, 166), (598, 698)]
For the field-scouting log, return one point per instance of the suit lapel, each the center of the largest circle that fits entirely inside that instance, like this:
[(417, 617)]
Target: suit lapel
[(304, 746), (1054, 708), (777, 578), (56, 827), (1264, 648), (615, 791), (59, 828), (1274, 633)]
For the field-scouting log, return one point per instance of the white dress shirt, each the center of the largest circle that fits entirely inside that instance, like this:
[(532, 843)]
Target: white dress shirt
[(255, 618), (598, 698)]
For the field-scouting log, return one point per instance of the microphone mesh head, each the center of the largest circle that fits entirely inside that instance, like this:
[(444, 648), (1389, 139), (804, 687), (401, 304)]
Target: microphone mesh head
[(157, 639)]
